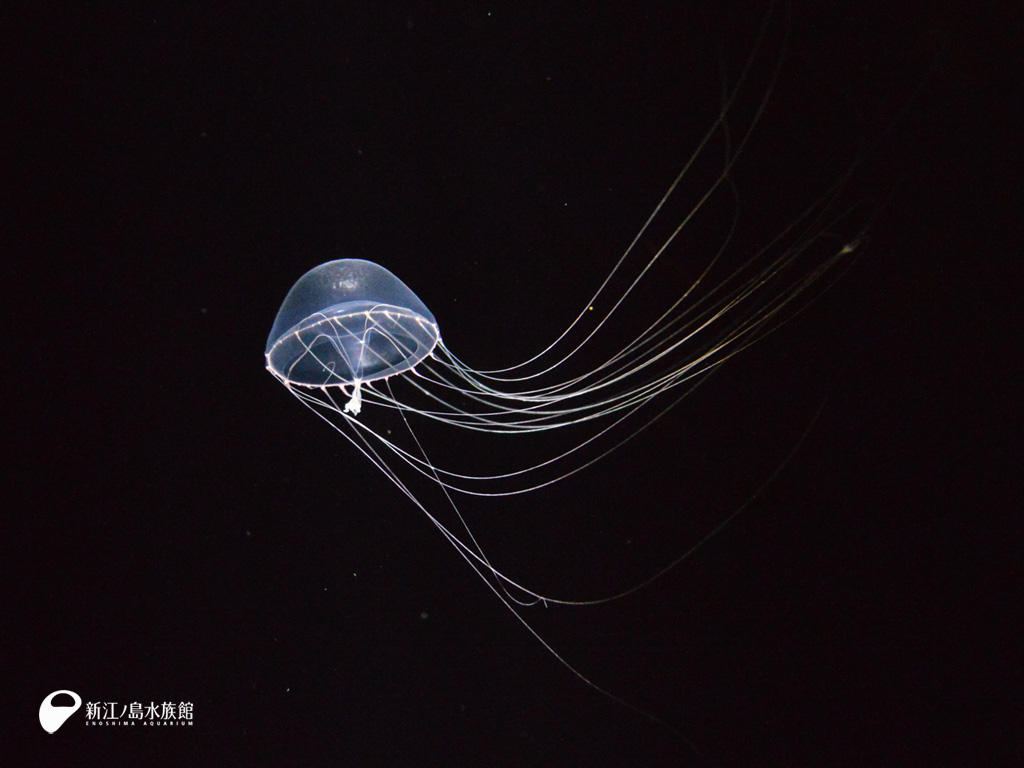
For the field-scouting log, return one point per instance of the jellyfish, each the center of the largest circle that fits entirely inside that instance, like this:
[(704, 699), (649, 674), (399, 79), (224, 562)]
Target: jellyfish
[(363, 351)]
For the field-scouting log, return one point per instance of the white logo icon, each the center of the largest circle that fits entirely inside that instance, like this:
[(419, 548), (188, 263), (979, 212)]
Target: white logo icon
[(51, 717)]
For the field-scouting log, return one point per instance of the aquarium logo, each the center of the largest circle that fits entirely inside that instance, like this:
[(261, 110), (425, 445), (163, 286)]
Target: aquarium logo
[(54, 712), (52, 716)]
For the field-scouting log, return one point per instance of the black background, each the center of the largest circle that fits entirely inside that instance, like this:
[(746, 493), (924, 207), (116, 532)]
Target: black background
[(178, 529)]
